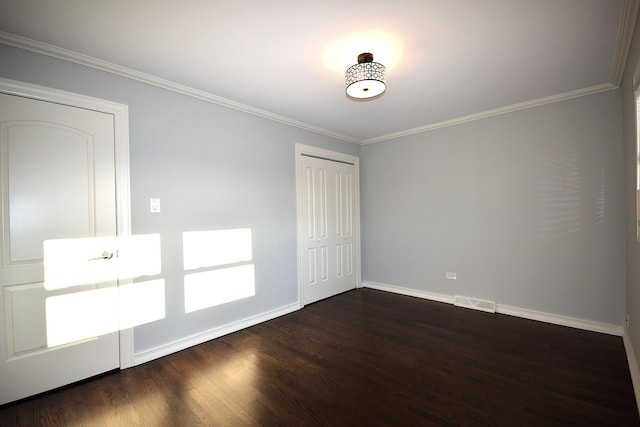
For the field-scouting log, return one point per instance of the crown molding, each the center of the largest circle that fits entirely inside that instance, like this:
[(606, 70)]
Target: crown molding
[(628, 18), (98, 64), (495, 112)]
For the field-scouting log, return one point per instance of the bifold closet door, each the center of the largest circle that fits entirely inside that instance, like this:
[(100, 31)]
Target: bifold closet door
[(328, 227)]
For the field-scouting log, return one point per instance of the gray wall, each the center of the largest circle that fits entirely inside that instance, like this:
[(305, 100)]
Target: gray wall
[(526, 208), (212, 167), (630, 167)]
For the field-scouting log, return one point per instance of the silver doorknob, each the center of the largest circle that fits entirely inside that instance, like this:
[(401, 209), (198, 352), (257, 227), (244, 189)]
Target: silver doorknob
[(105, 255)]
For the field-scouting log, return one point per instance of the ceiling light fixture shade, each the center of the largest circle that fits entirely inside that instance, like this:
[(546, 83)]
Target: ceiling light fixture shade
[(366, 79)]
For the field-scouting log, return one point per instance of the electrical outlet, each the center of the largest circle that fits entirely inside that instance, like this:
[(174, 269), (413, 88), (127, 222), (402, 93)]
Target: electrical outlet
[(451, 276)]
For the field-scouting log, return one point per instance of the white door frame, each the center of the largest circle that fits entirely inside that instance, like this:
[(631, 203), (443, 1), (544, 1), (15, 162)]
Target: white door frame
[(120, 113), (329, 155)]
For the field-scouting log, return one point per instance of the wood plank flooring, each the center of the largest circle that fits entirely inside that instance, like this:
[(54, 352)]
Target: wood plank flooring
[(363, 358)]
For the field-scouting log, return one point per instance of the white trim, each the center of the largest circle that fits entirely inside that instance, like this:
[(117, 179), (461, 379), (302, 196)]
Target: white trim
[(120, 113), (98, 64), (633, 365), (43, 93), (555, 319), (184, 343), (447, 299), (334, 155), (327, 154), (628, 17), (495, 112), (123, 208)]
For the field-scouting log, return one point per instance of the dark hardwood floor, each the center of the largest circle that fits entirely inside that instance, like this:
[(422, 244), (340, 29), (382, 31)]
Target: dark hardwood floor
[(363, 358)]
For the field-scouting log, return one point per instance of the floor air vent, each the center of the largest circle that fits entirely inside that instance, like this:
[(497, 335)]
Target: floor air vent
[(476, 304)]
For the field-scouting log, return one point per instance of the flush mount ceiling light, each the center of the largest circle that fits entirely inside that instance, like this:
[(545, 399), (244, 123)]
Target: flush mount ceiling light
[(366, 79)]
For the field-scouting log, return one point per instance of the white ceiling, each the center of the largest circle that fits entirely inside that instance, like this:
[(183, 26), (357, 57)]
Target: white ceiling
[(445, 59)]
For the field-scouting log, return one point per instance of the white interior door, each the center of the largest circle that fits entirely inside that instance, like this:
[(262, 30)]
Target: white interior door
[(58, 287), (329, 250)]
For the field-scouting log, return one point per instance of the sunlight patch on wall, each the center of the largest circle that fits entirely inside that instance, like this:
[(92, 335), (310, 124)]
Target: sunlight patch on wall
[(139, 255), (224, 255), (141, 302), (216, 287), (216, 247)]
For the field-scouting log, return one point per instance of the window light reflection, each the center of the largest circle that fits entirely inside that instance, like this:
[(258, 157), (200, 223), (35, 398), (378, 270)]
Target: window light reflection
[(85, 261), (141, 302), (225, 256), (102, 307), (216, 247), (76, 262), (88, 314), (139, 255), (81, 315), (215, 287)]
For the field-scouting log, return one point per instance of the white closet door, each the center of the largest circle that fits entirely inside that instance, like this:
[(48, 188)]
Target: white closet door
[(328, 227)]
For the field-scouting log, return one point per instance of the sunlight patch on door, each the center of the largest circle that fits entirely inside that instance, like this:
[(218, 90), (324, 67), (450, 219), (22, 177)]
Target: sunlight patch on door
[(225, 274), (77, 262), (81, 315), (101, 307), (85, 261), (84, 315)]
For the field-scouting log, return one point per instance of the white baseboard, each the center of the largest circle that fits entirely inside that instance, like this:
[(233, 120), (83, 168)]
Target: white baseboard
[(449, 299), (557, 319), (173, 347), (509, 310), (633, 365)]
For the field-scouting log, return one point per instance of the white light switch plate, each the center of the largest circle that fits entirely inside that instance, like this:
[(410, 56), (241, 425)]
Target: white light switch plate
[(154, 205)]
